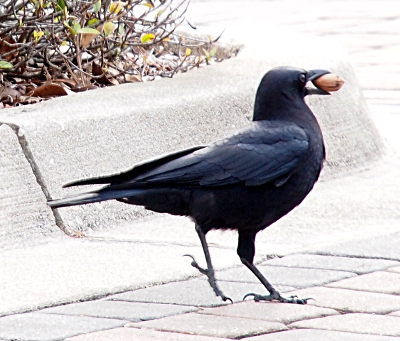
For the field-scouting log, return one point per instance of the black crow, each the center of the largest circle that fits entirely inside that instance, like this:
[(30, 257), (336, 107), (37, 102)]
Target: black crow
[(244, 182)]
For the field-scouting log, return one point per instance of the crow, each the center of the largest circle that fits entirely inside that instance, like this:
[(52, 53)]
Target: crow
[(244, 182)]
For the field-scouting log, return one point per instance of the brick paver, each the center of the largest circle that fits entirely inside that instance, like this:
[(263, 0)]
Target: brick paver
[(132, 311), (39, 326), (294, 277), (134, 334), (346, 300), (211, 325), (320, 335), (356, 265), (355, 323), (378, 247), (380, 281), (194, 292), (274, 312), (395, 269)]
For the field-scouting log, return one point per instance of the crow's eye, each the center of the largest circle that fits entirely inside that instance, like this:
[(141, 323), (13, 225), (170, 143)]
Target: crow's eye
[(302, 78)]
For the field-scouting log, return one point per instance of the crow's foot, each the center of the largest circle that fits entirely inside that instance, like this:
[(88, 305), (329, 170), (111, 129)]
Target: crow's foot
[(197, 266), (211, 279), (276, 296)]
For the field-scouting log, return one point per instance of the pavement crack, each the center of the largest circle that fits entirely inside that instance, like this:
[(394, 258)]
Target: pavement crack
[(23, 142)]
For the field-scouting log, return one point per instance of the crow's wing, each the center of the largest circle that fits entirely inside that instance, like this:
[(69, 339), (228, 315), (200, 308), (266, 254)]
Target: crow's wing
[(135, 171), (261, 153)]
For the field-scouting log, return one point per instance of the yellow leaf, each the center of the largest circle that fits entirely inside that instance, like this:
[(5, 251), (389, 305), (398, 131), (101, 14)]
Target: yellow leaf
[(108, 28), (37, 35), (147, 37), (188, 52), (116, 6), (148, 4)]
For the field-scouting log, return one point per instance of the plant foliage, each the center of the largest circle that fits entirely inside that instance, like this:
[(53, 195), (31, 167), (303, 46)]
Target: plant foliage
[(81, 45)]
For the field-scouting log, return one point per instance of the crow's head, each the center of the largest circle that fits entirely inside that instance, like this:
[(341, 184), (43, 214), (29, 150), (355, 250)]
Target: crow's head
[(282, 91)]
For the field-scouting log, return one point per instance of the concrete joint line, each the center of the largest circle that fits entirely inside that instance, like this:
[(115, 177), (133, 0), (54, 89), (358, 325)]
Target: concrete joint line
[(23, 142)]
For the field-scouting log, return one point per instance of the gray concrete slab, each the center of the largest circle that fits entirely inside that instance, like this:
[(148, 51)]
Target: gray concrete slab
[(294, 277), (355, 323), (355, 265), (318, 335), (24, 214), (218, 326), (70, 270), (48, 327), (131, 311)]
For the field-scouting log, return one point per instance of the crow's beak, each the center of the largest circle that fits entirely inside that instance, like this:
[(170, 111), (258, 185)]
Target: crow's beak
[(313, 75)]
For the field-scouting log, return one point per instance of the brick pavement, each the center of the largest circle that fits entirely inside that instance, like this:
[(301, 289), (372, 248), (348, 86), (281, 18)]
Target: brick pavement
[(354, 285), (354, 298)]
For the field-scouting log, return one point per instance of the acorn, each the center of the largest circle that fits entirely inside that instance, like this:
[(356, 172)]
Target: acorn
[(328, 82)]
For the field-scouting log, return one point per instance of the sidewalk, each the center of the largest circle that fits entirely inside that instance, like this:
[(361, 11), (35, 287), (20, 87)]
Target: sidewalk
[(355, 285), (355, 291)]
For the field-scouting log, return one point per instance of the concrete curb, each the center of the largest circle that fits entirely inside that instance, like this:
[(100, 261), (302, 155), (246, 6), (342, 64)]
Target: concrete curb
[(108, 130)]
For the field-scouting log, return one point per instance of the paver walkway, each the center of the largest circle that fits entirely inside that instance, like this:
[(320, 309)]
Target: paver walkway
[(354, 297)]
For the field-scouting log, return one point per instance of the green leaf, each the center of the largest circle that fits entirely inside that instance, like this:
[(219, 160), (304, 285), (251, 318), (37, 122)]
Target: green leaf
[(161, 11), (5, 65), (207, 54), (147, 37), (60, 5), (97, 6), (87, 30), (92, 21), (72, 26), (76, 26), (213, 52), (121, 30)]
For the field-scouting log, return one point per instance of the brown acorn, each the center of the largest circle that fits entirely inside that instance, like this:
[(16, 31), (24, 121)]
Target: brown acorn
[(329, 82)]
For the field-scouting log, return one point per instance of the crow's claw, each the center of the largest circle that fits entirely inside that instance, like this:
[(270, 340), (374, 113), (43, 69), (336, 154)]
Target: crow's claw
[(197, 266), (211, 279), (226, 298), (277, 297), (257, 297)]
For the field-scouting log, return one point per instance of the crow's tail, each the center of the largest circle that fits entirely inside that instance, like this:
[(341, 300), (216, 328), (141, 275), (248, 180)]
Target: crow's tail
[(95, 196)]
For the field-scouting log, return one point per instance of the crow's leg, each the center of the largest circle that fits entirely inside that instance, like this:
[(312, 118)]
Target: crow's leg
[(246, 251), (209, 272)]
